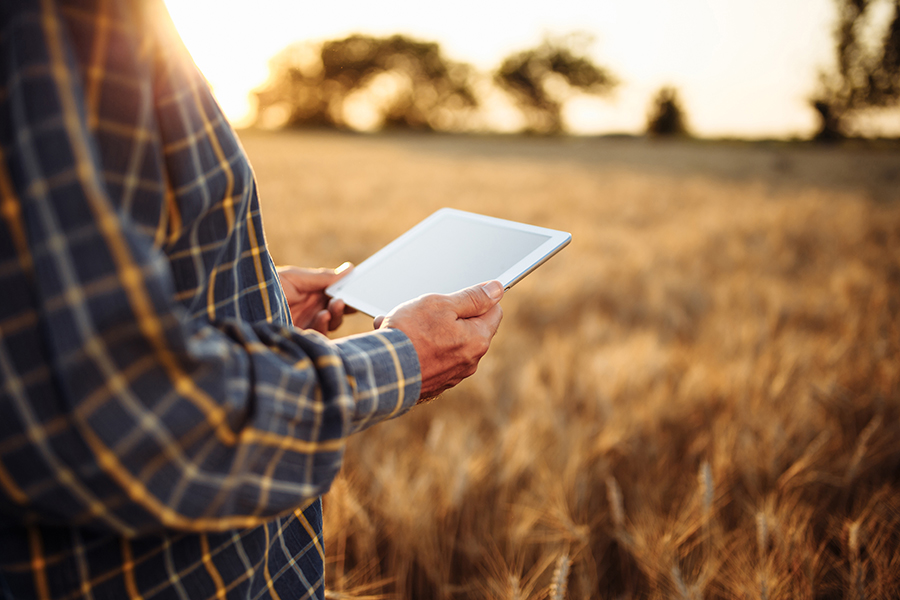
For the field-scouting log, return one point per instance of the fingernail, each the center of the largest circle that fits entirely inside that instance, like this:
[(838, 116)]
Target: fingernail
[(343, 268), (494, 289)]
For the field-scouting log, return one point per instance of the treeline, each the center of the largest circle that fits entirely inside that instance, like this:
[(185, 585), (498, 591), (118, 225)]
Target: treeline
[(865, 77), (373, 83)]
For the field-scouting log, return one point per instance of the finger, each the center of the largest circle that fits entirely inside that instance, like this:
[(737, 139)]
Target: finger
[(296, 276), (376, 324), (336, 308), (476, 300), (320, 322), (313, 280), (491, 319), (482, 330)]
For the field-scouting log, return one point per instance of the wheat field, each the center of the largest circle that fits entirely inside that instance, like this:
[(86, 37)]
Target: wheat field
[(698, 398)]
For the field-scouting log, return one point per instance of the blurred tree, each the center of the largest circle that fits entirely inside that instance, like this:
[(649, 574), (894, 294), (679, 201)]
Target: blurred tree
[(666, 116), (541, 79), (867, 73), (391, 82)]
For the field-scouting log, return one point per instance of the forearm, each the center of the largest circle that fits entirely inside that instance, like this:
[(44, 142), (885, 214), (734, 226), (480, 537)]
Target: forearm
[(243, 423)]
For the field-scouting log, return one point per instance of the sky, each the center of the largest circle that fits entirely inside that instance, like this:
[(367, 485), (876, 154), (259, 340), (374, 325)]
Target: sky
[(743, 68)]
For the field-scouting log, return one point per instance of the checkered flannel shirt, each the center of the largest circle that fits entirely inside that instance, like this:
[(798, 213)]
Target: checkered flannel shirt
[(164, 431)]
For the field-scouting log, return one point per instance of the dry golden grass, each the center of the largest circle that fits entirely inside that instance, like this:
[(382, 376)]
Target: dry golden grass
[(699, 398)]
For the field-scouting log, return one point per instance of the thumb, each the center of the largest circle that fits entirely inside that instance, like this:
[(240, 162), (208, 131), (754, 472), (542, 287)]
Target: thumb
[(313, 280), (476, 300)]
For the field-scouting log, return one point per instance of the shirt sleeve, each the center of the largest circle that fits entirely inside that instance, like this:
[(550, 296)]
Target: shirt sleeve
[(120, 410)]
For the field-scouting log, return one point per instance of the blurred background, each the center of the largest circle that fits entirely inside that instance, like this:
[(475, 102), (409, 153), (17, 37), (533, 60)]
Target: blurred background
[(700, 396), (742, 69)]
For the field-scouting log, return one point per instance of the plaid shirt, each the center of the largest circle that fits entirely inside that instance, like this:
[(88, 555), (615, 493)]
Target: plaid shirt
[(164, 431)]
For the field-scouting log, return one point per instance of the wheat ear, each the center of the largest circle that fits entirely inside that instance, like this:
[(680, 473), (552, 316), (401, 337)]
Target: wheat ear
[(560, 578)]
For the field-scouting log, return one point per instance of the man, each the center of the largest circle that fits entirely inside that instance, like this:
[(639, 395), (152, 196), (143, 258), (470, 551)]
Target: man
[(164, 431)]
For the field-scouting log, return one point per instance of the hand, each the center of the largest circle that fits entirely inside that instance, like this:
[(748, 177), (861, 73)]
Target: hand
[(305, 293), (449, 332)]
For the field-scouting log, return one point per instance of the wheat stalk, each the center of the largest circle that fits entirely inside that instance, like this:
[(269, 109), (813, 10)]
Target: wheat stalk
[(706, 484), (762, 534), (862, 446), (560, 578), (614, 496), (857, 569), (762, 543), (515, 587), (679, 583)]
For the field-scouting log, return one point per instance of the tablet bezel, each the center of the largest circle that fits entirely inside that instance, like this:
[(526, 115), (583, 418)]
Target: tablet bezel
[(557, 240)]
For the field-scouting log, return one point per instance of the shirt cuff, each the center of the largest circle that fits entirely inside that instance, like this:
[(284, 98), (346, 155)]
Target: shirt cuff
[(383, 369)]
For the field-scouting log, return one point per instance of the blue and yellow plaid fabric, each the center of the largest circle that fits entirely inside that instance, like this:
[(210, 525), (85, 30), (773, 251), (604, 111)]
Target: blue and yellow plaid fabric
[(164, 431)]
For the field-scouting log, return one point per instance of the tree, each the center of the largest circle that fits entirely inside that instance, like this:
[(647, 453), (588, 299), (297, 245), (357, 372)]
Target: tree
[(541, 79), (666, 117), (406, 83), (867, 73)]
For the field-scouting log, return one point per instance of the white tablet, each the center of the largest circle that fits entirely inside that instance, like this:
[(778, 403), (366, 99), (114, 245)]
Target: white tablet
[(448, 251)]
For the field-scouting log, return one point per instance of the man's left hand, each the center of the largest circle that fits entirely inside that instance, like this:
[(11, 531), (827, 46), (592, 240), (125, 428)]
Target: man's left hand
[(305, 293)]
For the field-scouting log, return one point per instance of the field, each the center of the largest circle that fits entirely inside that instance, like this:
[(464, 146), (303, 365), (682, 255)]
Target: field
[(699, 398)]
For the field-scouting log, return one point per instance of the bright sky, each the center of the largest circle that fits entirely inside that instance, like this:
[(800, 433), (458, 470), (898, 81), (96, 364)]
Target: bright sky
[(743, 67)]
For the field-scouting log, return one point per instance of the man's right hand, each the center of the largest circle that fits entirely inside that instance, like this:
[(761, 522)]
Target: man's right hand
[(449, 332)]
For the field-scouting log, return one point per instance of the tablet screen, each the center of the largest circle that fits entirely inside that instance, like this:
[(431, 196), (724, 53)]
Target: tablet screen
[(445, 253)]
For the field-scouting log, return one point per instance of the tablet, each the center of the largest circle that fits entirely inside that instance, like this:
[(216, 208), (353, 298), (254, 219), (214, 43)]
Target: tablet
[(448, 251)]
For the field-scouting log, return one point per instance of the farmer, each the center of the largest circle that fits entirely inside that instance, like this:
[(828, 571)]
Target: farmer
[(165, 432)]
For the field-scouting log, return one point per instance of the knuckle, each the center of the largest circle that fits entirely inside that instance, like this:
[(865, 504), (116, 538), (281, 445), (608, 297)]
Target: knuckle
[(473, 297), (431, 301), (476, 348)]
